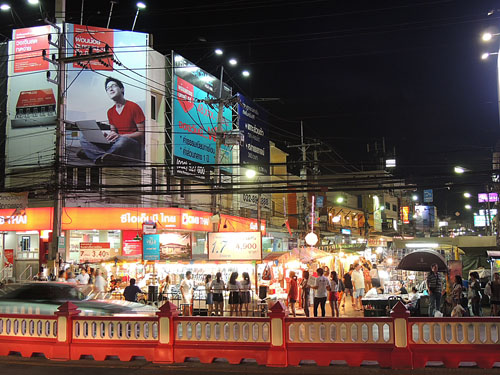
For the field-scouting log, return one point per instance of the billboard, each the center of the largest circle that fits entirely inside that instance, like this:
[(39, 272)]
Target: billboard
[(31, 99), (106, 98), (487, 197), (195, 121), (253, 126), (484, 218), (234, 246)]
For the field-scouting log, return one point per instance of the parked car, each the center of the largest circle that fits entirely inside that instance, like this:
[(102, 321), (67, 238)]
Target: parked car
[(45, 297)]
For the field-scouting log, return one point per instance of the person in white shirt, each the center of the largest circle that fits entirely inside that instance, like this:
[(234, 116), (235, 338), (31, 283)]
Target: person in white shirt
[(99, 284), (411, 301), (187, 287), (320, 292), (71, 277), (83, 277), (358, 282)]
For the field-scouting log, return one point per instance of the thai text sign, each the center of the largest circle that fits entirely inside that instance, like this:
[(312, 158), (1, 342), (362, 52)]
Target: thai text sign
[(235, 246)]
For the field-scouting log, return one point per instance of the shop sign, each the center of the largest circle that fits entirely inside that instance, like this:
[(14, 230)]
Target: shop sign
[(234, 246), (175, 246), (151, 247), (14, 200), (96, 252), (132, 247), (405, 214), (250, 201), (240, 224), (374, 242)]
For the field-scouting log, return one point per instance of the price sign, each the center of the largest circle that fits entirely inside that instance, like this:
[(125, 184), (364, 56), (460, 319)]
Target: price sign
[(96, 251), (234, 246)]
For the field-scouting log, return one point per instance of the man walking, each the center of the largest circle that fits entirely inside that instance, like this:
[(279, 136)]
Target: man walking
[(434, 287)]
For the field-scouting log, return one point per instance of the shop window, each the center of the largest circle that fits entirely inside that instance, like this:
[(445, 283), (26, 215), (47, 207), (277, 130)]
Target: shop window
[(394, 208), (153, 107), (387, 206), (199, 244), (25, 243)]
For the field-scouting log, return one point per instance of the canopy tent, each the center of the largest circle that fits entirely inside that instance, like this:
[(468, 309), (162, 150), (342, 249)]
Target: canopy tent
[(304, 255), (421, 260)]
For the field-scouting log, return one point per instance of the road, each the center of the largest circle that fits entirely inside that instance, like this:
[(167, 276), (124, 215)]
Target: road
[(37, 366)]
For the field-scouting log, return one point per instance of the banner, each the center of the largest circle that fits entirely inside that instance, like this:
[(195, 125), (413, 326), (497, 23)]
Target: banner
[(253, 126), (235, 246), (151, 247), (106, 101), (29, 44), (132, 247), (175, 246)]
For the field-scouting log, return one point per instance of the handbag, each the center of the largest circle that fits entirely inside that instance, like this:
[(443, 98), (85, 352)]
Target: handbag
[(267, 275)]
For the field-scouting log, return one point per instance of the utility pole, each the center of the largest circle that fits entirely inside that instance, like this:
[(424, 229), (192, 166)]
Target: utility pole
[(60, 80), (219, 134)]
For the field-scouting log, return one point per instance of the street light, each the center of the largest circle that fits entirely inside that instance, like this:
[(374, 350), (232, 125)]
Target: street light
[(140, 5), (340, 199), (250, 173), (468, 207), (219, 52), (467, 195), (5, 7), (233, 62), (459, 170), (245, 73), (414, 197)]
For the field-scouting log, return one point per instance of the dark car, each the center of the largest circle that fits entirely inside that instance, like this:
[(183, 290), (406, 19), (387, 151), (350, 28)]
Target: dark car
[(46, 297)]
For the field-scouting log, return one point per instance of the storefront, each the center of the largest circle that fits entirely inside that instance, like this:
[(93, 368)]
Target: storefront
[(108, 237)]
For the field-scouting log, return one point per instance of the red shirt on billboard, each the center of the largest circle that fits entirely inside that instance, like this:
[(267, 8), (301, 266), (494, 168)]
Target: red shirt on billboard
[(126, 121), (86, 37), (28, 46)]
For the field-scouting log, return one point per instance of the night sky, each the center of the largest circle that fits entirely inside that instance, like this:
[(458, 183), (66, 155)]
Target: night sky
[(406, 70)]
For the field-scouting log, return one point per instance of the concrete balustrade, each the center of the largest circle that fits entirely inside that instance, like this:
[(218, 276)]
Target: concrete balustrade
[(277, 340)]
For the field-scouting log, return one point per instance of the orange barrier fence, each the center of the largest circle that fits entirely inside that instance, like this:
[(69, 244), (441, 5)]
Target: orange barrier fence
[(276, 340)]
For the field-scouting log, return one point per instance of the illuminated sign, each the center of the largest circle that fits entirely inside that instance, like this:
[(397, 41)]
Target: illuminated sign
[(86, 38), (346, 231), (123, 218), (253, 126), (151, 247), (195, 121), (405, 214), (97, 252), (235, 246), (487, 197)]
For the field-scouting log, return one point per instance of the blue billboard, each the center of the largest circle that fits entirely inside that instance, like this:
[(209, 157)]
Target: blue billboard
[(151, 247), (195, 114), (253, 127)]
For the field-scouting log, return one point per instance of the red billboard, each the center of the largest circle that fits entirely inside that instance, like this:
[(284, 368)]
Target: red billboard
[(28, 46), (87, 38)]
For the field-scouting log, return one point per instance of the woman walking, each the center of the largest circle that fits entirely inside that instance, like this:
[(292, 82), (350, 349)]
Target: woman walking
[(475, 293), (333, 295), (234, 288), (245, 299), (293, 292), (217, 288), (306, 290)]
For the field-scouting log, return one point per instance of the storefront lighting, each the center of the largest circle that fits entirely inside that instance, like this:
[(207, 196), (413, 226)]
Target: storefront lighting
[(379, 250), (389, 260), (336, 219), (340, 199), (383, 274), (341, 254), (250, 173)]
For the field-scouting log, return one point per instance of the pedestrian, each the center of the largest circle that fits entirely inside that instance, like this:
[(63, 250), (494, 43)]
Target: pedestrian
[(130, 293), (209, 299), (348, 288), (305, 292), (234, 288), (456, 292), (61, 276), (376, 282), (99, 284), (320, 293), (83, 277), (358, 282), (71, 277), (293, 292), (217, 287), (165, 292), (245, 298), (474, 294), (366, 275), (333, 295), (187, 288), (434, 287), (494, 294)]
